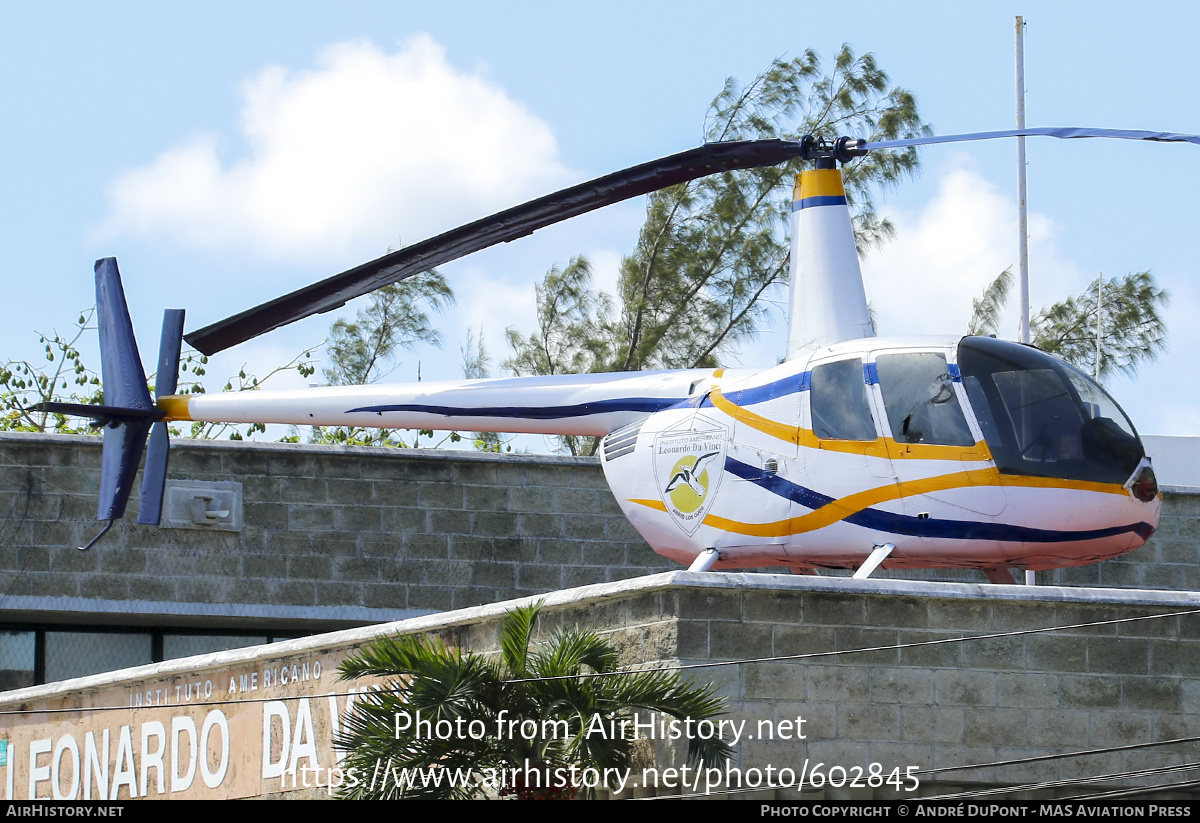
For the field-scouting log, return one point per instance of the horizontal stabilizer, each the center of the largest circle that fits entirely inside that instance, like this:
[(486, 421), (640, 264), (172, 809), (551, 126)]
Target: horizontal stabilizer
[(101, 414)]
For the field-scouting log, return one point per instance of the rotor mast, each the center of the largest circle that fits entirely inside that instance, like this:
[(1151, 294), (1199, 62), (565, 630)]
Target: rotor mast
[(828, 301)]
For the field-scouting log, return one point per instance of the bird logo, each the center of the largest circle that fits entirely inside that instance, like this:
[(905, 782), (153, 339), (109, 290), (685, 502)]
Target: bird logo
[(688, 485)]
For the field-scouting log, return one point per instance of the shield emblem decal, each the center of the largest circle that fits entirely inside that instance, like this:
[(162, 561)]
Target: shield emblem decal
[(688, 464)]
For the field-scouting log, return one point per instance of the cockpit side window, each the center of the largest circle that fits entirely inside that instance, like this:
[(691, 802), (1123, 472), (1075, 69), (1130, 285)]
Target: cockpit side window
[(922, 405), (838, 401)]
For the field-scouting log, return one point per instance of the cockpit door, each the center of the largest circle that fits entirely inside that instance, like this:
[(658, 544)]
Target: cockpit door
[(936, 447)]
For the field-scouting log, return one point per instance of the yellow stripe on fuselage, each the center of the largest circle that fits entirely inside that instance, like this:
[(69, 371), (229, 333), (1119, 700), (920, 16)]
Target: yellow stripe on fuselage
[(176, 406), (838, 510), (807, 439)]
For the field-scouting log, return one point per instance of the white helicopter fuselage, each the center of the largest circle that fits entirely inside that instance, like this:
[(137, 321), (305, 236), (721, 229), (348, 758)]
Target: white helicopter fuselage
[(781, 490), (971, 453)]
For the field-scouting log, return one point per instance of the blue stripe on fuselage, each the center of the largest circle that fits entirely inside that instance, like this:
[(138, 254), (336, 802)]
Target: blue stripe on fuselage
[(631, 404), (915, 527)]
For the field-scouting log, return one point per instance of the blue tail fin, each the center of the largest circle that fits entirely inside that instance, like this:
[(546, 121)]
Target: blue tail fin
[(154, 476), (128, 413), (124, 388)]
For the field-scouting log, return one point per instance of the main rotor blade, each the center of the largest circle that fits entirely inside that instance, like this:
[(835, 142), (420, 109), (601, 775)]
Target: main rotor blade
[(507, 225), (1061, 133)]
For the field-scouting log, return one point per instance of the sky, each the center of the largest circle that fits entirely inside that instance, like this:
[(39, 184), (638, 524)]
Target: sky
[(227, 153)]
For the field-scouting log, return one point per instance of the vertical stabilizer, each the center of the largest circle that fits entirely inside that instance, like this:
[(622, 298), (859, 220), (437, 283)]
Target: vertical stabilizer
[(828, 302)]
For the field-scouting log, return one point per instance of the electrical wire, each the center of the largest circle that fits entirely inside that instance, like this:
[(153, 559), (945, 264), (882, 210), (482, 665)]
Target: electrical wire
[(674, 668)]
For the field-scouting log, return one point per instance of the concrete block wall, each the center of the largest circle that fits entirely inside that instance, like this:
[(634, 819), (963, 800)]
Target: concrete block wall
[(1041, 685), (341, 535), (334, 535), (1013, 696)]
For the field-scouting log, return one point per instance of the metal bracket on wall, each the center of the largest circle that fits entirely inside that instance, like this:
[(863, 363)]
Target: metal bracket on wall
[(203, 505)]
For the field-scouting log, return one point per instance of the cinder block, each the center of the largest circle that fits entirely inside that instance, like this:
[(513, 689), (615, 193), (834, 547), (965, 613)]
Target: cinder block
[(395, 520), (964, 688), (739, 641), (1051, 653), (433, 598), (304, 516), (153, 588), (341, 491), (440, 496), (376, 596), (202, 590), (360, 569), (60, 585), (838, 684), (774, 681), (357, 519), (1090, 692), (901, 612), (1154, 694), (868, 721), (575, 501), (585, 527), (493, 524), (1027, 690), (1118, 656), (896, 685), (532, 499), (932, 724), (310, 567), (934, 653), (121, 561), (995, 727), (1059, 729), (494, 575), (710, 605), (486, 498), (293, 593), (994, 653)]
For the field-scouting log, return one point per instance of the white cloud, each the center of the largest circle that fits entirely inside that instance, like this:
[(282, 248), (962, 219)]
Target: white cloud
[(368, 149), (943, 257)]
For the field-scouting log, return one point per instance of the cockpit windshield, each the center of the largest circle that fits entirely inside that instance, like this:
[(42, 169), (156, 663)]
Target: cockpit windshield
[(1044, 418)]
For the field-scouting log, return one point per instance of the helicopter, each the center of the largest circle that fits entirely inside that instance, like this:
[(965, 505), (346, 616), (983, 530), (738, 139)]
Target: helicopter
[(855, 452)]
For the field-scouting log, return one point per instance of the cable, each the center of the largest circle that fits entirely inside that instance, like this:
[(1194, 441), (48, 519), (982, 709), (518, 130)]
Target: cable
[(688, 666)]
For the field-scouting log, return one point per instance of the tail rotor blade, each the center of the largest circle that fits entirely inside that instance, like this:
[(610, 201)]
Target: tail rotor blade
[(169, 346), (124, 388), (154, 475)]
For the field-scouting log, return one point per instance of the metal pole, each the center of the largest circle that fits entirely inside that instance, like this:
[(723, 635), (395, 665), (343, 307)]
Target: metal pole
[(1022, 217), (1099, 326)]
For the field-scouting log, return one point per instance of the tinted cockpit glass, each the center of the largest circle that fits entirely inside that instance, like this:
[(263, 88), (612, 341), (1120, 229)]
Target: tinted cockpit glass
[(838, 401), (1044, 418)]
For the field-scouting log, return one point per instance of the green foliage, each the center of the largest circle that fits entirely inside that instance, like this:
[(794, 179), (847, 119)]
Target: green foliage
[(711, 250), (23, 385), (546, 684), (477, 365), (397, 317), (985, 312), (359, 352), (1131, 323), (1132, 328)]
